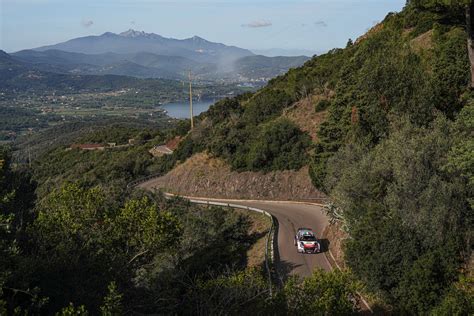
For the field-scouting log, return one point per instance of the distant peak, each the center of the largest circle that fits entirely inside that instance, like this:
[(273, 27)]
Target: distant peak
[(198, 39), (133, 33)]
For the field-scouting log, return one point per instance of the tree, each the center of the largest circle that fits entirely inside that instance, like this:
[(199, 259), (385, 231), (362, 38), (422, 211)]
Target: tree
[(408, 218), (323, 293), (112, 302), (280, 145), (459, 300), (458, 6)]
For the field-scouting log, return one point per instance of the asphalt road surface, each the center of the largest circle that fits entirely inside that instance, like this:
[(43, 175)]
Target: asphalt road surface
[(290, 216)]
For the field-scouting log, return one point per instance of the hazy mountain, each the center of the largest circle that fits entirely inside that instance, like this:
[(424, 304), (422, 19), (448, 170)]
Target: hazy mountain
[(132, 41), (143, 64), (16, 75), (148, 55), (259, 66)]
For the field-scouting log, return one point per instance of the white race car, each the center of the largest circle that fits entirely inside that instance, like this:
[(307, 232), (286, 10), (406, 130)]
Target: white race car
[(306, 241)]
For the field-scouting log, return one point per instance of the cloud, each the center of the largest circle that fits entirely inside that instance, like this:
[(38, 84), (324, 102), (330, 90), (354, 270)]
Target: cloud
[(87, 23), (261, 23), (321, 23)]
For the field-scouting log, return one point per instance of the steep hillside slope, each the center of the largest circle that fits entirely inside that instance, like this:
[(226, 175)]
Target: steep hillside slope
[(394, 151)]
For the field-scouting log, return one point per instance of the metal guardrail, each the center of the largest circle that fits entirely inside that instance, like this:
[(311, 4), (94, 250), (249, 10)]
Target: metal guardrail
[(269, 251), (134, 183)]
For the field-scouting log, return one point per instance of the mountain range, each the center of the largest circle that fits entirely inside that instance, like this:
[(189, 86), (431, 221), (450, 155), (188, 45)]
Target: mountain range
[(149, 55)]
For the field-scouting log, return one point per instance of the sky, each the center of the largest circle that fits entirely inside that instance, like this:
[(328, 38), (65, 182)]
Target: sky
[(315, 26)]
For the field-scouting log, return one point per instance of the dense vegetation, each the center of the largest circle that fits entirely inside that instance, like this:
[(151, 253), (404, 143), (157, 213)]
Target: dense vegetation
[(76, 240), (392, 161), (395, 152)]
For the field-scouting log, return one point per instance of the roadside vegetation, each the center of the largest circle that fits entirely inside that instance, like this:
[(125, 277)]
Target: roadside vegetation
[(76, 241)]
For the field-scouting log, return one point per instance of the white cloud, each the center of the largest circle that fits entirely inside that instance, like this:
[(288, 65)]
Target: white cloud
[(321, 23), (260, 23), (87, 23)]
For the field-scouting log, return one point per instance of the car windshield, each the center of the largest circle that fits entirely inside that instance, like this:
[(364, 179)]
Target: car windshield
[(308, 238)]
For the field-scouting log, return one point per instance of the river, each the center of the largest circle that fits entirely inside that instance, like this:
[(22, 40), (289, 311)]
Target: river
[(180, 110)]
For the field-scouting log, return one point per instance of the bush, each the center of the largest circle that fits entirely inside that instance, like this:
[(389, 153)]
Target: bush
[(322, 105), (280, 145), (323, 293)]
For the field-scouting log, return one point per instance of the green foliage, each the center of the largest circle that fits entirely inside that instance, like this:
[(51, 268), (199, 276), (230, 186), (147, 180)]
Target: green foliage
[(395, 165), (111, 168), (422, 12), (231, 293), (383, 78), (112, 302), (451, 72), (409, 219), (460, 158), (280, 145), (82, 247), (71, 310), (322, 105), (322, 293), (142, 228), (458, 301), (424, 283), (265, 105)]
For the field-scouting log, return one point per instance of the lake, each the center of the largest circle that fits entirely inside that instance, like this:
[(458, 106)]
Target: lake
[(180, 110)]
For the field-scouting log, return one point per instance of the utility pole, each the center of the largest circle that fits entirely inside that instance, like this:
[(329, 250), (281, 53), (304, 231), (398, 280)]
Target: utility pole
[(191, 101), (29, 156)]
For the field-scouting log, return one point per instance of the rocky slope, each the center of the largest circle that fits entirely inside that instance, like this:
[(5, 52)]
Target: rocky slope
[(205, 176)]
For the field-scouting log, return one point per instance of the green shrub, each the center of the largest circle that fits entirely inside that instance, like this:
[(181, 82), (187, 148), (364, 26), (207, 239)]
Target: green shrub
[(322, 105), (280, 145)]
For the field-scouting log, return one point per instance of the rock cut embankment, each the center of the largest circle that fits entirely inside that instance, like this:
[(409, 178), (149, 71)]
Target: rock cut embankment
[(205, 176)]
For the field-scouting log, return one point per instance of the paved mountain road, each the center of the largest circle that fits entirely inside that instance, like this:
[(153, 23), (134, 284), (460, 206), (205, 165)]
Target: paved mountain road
[(290, 216)]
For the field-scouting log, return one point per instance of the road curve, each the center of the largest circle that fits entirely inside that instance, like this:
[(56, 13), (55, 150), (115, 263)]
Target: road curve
[(290, 216)]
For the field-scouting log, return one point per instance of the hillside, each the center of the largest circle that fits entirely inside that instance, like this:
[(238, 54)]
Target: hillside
[(19, 75), (204, 176), (393, 150), (151, 65)]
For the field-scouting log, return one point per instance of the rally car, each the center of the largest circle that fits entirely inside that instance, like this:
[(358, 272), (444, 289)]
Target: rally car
[(306, 241)]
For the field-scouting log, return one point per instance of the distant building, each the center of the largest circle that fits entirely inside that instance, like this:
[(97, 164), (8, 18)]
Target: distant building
[(166, 149)]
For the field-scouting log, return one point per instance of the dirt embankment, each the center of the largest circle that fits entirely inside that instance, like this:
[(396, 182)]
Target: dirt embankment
[(202, 175), (336, 237), (303, 114)]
